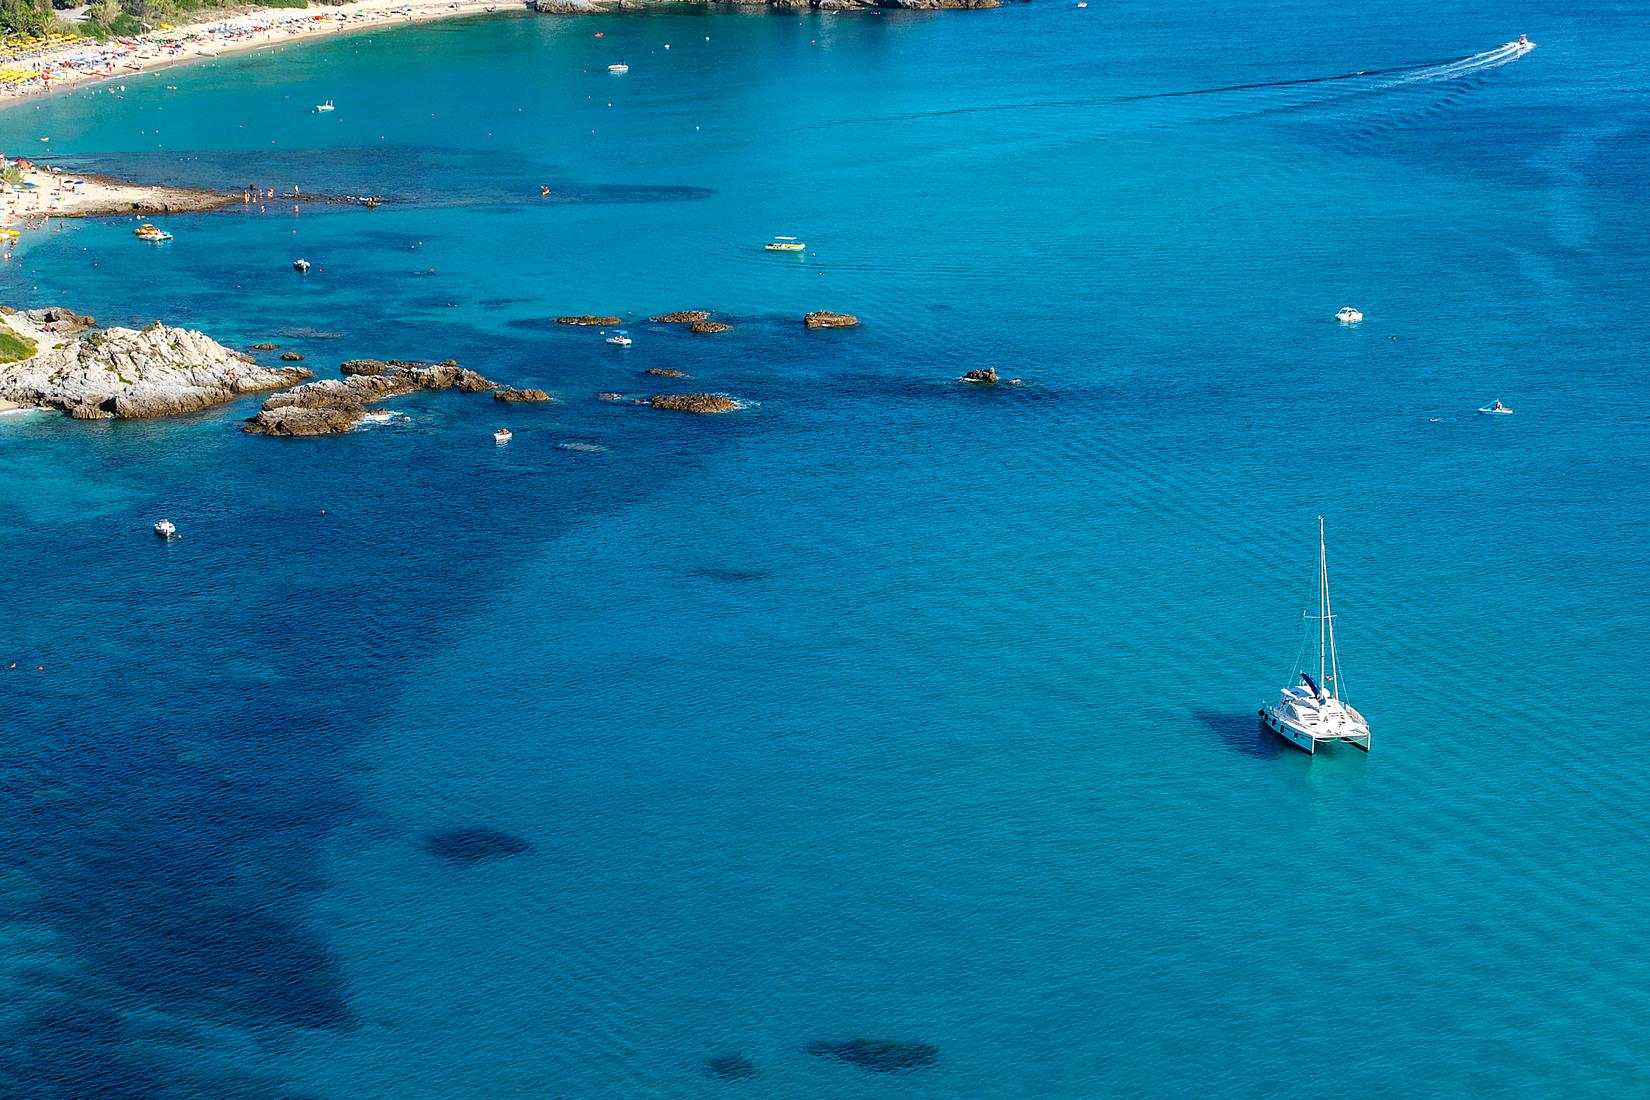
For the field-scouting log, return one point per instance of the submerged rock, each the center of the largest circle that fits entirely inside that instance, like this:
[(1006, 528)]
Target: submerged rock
[(472, 844), (879, 1055), (729, 1067), (694, 402), (127, 373), (610, 397), (664, 372), (265, 347), (987, 375), (824, 318), (682, 317), (706, 327), (508, 394), (587, 319)]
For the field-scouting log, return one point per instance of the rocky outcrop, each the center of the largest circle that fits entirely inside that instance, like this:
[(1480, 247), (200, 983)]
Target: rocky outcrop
[(665, 372), (529, 396), (704, 328), (56, 319), (682, 317), (694, 402), (264, 347), (587, 319), (824, 318), (610, 397), (987, 375), (291, 357), (338, 404), (127, 373)]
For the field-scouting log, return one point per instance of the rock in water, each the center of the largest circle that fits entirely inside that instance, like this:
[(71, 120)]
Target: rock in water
[(879, 1055), (473, 844), (126, 373), (291, 357), (587, 319), (508, 394), (824, 318), (338, 404), (694, 402), (987, 375), (265, 347), (682, 317), (730, 1067), (662, 372), (704, 328), (610, 397)]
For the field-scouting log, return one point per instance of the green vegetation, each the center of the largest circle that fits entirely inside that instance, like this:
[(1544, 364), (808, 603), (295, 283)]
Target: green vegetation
[(24, 18), (14, 348)]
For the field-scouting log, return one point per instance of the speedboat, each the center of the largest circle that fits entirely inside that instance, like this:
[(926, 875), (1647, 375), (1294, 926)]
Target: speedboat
[(321, 108), (1523, 45), (502, 436), (785, 244), (1495, 408), (166, 529), (1346, 315), (620, 339), (1312, 712), (300, 265), (619, 67)]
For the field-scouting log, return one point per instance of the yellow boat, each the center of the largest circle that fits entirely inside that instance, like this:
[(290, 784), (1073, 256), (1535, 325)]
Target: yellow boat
[(151, 233), (785, 244)]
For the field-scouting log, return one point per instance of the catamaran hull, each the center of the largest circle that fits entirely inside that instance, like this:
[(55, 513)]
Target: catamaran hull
[(1305, 741)]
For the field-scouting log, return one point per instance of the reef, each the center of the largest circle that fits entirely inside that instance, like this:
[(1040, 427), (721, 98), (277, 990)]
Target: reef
[(334, 405), (472, 844), (694, 402), (530, 396), (879, 1055), (665, 372), (824, 318), (729, 1067), (587, 319), (682, 317), (704, 328)]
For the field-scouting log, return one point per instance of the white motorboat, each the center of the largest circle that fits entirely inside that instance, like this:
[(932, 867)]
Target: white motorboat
[(502, 436), (620, 339), (322, 108), (618, 67), (166, 529), (300, 265), (1346, 315), (1495, 408), (1313, 712), (1523, 45), (785, 244)]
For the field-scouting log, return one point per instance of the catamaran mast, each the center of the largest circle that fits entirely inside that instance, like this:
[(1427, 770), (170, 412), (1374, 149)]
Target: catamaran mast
[(1323, 603), (1328, 627)]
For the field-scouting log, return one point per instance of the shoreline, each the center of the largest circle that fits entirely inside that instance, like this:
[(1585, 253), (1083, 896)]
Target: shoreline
[(76, 65)]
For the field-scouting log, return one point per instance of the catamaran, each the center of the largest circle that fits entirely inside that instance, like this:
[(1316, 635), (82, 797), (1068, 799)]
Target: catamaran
[(1313, 711)]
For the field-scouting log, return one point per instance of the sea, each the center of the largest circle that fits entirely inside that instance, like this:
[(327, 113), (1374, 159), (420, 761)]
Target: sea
[(889, 737)]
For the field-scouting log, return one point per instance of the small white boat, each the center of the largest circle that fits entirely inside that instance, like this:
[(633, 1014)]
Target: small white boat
[(618, 67), (1313, 712), (502, 436), (166, 529), (300, 265), (321, 108), (620, 339), (1495, 408), (785, 244), (1523, 45), (1346, 315)]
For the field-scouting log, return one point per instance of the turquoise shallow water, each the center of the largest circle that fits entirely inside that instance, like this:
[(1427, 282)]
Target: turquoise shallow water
[(884, 708)]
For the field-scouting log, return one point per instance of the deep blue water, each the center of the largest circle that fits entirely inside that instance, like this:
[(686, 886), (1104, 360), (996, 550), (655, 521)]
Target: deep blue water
[(886, 708)]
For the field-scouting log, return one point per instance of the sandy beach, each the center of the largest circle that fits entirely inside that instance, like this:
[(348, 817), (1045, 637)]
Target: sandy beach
[(44, 191), (72, 64)]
